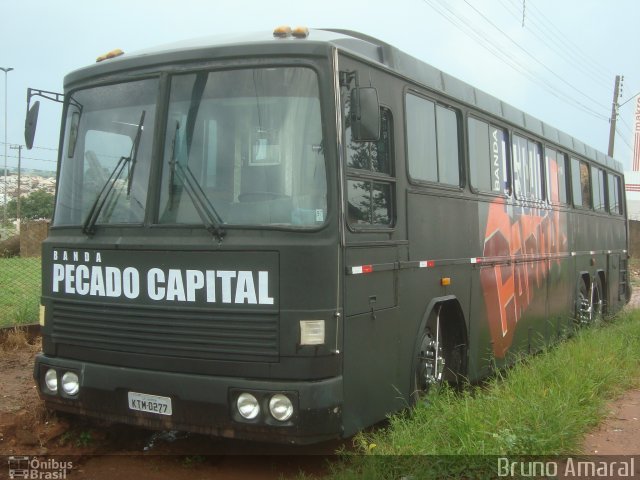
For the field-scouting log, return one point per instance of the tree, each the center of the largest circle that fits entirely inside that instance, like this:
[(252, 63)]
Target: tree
[(38, 204)]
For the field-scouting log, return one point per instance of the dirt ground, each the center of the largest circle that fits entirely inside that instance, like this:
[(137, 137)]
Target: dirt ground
[(619, 434), (97, 453), (101, 453)]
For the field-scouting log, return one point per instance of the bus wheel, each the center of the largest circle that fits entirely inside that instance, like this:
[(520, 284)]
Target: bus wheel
[(589, 303), (583, 304), (430, 361)]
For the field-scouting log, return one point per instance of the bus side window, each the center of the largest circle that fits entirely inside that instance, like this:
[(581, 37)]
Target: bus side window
[(563, 171), (432, 141), (488, 157), (369, 202), (580, 183), (519, 146), (556, 163), (615, 205), (534, 150), (527, 168), (597, 184)]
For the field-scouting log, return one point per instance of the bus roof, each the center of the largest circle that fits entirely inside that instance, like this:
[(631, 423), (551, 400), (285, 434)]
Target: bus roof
[(319, 42), (417, 70)]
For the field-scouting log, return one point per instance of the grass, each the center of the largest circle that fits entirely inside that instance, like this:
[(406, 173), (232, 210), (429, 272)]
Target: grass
[(634, 268), (19, 290), (544, 407), (13, 339)]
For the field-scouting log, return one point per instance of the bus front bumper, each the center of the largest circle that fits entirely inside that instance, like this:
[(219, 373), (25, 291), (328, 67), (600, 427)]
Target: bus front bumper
[(189, 402)]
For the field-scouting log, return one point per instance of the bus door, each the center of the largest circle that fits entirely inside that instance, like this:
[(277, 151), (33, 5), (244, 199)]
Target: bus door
[(371, 257)]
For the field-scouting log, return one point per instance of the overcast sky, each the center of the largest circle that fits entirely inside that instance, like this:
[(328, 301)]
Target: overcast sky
[(560, 66)]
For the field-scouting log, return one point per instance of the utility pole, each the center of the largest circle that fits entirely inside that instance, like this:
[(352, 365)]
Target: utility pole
[(19, 148), (614, 114), (6, 70)]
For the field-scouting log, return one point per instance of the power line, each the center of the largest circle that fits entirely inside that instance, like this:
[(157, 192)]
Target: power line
[(478, 36), (530, 55), (628, 100), (523, 69), (555, 35), (34, 147), (623, 138), (559, 33), (45, 148), (33, 158), (626, 124), (558, 48)]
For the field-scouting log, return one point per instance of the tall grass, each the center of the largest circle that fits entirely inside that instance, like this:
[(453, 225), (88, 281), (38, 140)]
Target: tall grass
[(19, 290), (543, 406)]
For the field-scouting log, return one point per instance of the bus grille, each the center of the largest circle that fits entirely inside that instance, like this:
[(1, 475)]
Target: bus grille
[(181, 332)]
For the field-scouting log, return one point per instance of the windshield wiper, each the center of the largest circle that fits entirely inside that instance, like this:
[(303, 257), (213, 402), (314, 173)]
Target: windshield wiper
[(88, 227), (206, 211), (89, 224), (134, 151)]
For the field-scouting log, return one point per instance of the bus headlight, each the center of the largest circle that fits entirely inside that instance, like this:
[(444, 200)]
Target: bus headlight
[(280, 407), (70, 383), (51, 380), (311, 332), (248, 406)]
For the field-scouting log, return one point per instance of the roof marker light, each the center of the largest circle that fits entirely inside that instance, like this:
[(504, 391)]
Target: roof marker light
[(300, 32), (112, 54), (283, 31)]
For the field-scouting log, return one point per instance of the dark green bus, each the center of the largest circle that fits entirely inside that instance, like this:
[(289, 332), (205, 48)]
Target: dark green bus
[(288, 236)]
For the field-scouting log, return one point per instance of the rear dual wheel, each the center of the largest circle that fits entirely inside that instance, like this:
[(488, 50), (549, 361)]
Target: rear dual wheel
[(597, 300), (589, 302)]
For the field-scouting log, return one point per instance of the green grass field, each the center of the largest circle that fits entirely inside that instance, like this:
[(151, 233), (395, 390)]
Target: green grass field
[(543, 406), (19, 290)]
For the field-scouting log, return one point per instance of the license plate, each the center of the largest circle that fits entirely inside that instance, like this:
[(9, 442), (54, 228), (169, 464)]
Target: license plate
[(150, 403)]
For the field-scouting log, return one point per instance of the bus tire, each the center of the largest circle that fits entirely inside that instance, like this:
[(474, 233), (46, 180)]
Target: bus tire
[(429, 360), (597, 299), (440, 353), (583, 303), (589, 301)]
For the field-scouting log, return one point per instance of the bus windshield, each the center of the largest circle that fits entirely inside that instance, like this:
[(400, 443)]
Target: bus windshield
[(241, 147), (249, 144), (107, 154)]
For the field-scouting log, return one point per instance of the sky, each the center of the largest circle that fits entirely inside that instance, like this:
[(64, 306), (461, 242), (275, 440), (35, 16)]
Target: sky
[(555, 59)]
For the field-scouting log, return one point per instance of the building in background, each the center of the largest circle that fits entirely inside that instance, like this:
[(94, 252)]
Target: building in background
[(632, 178)]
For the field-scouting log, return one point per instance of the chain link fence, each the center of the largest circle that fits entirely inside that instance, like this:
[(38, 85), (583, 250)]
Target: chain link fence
[(20, 277)]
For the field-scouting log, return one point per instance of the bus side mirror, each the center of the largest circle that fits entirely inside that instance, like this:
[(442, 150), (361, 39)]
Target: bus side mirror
[(30, 123), (365, 114)]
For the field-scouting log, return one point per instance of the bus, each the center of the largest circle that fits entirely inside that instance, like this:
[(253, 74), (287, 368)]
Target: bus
[(288, 236)]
